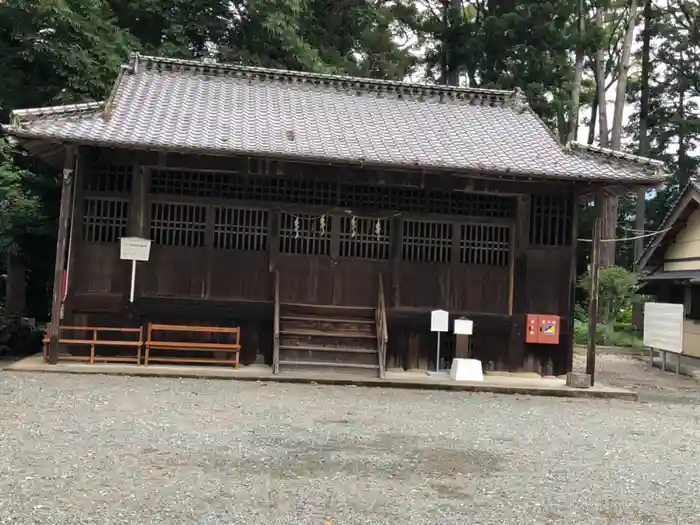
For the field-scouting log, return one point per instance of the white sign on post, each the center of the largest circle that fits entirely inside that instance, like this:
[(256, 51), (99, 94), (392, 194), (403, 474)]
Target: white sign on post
[(439, 321), (663, 326), (464, 326), (134, 249)]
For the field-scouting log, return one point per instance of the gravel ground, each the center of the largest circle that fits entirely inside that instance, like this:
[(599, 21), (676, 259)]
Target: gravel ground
[(113, 450)]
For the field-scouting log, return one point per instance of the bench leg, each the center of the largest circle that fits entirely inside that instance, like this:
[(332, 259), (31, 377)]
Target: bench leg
[(145, 359)]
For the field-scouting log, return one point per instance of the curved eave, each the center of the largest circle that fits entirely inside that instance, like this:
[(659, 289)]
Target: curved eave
[(623, 184)]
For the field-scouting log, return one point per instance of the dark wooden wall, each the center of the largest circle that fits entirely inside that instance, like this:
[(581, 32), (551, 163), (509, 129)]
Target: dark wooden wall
[(490, 250)]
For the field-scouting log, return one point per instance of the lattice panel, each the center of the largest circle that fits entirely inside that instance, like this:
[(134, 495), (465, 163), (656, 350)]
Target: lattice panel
[(328, 193), (365, 238), (305, 234), (241, 187), (485, 244), (240, 229), (108, 179), (178, 224), (427, 241), (355, 196), (104, 220), (551, 220)]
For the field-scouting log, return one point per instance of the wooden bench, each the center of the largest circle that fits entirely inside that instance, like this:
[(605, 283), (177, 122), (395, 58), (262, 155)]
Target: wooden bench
[(153, 342), (93, 341)]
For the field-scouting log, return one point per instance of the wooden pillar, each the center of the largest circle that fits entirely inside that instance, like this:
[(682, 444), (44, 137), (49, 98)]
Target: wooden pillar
[(138, 225), (518, 285), (573, 274), (593, 291), (61, 244), (395, 254)]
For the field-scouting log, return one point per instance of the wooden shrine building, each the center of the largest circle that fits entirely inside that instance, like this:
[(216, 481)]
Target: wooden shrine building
[(324, 216)]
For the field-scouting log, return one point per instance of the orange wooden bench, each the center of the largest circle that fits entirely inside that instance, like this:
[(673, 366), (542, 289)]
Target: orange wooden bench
[(154, 342), (94, 341)]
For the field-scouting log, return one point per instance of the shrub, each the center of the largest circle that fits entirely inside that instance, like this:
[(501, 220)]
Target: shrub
[(606, 335)]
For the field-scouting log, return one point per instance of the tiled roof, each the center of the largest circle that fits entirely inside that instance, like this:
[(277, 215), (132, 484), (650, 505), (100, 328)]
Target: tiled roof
[(177, 105)]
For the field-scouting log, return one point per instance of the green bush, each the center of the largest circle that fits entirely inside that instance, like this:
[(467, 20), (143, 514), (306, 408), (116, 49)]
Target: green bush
[(580, 332), (606, 335)]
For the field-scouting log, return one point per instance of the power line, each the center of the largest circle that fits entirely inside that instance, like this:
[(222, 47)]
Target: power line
[(650, 234)]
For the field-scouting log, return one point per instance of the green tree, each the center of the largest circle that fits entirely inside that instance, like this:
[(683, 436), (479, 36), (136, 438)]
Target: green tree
[(617, 291), (20, 209), (57, 51)]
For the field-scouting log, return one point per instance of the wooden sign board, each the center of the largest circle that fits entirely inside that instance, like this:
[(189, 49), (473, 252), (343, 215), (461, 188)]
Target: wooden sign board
[(663, 326), (134, 249), (464, 326), (439, 321)]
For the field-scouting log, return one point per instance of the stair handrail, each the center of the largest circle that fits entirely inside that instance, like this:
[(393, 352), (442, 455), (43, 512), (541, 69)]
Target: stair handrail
[(276, 326), (382, 330)]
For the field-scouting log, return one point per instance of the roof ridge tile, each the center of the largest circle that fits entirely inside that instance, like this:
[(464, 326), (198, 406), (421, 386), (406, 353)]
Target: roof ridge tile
[(139, 63)]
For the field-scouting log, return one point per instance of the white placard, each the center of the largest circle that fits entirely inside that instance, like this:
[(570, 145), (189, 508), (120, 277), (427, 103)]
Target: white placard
[(464, 326), (439, 321), (134, 249), (663, 326)]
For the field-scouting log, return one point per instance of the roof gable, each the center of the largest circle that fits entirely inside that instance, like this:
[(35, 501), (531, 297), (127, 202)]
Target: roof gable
[(189, 106), (674, 222)]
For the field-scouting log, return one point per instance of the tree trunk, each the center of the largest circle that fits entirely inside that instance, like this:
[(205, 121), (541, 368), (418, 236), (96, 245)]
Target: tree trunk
[(609, 222), (453, 18), (15, 291), (592, 121), (600, 85), (640, 213), (621, 95), (578, 77)]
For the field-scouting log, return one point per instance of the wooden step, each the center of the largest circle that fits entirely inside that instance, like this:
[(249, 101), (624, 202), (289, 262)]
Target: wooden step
[(325, 363), (312, 348), (326, 319), (319, 333), (322, 310)]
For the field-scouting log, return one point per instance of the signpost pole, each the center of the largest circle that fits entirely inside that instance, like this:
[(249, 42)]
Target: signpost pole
[(133, 280), (437, 357)]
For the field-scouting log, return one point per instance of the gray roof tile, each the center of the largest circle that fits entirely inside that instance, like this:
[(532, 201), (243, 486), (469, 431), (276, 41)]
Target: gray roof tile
[(224, 109)]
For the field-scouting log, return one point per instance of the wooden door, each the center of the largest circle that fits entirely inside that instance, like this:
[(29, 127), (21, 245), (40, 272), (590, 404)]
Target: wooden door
[(304, 258)]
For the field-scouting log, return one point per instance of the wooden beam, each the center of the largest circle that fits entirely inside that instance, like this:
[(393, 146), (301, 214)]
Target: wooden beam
[(593, 291), (61, 244), (395, 254)]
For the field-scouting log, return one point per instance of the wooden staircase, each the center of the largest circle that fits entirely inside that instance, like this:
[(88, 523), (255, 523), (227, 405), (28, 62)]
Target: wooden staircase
[(328, 338)]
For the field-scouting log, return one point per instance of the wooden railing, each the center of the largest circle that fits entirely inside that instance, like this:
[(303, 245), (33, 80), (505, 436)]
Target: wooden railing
[(154, 342), (382, 330), (94, 341), (276, 340)]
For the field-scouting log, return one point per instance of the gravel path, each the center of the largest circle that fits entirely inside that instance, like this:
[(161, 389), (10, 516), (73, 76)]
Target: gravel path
[(113, 450)]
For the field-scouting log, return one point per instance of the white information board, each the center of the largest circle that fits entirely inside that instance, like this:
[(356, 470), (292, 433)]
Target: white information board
[(134, 249), (663, 326), (439, 321), (464, 326)]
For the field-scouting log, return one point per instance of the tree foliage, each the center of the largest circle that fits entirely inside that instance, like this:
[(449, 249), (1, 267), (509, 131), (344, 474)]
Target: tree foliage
[(617, 291), (557, 51)]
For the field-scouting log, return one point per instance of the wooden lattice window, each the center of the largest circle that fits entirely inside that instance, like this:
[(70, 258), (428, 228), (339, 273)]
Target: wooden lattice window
[(427, 241), (104, 220), (305, 234), (240, 229), (551, 220), (365, 238), (413, 200), (232, 185), (108, 178), (486, 244), (178, 224)]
